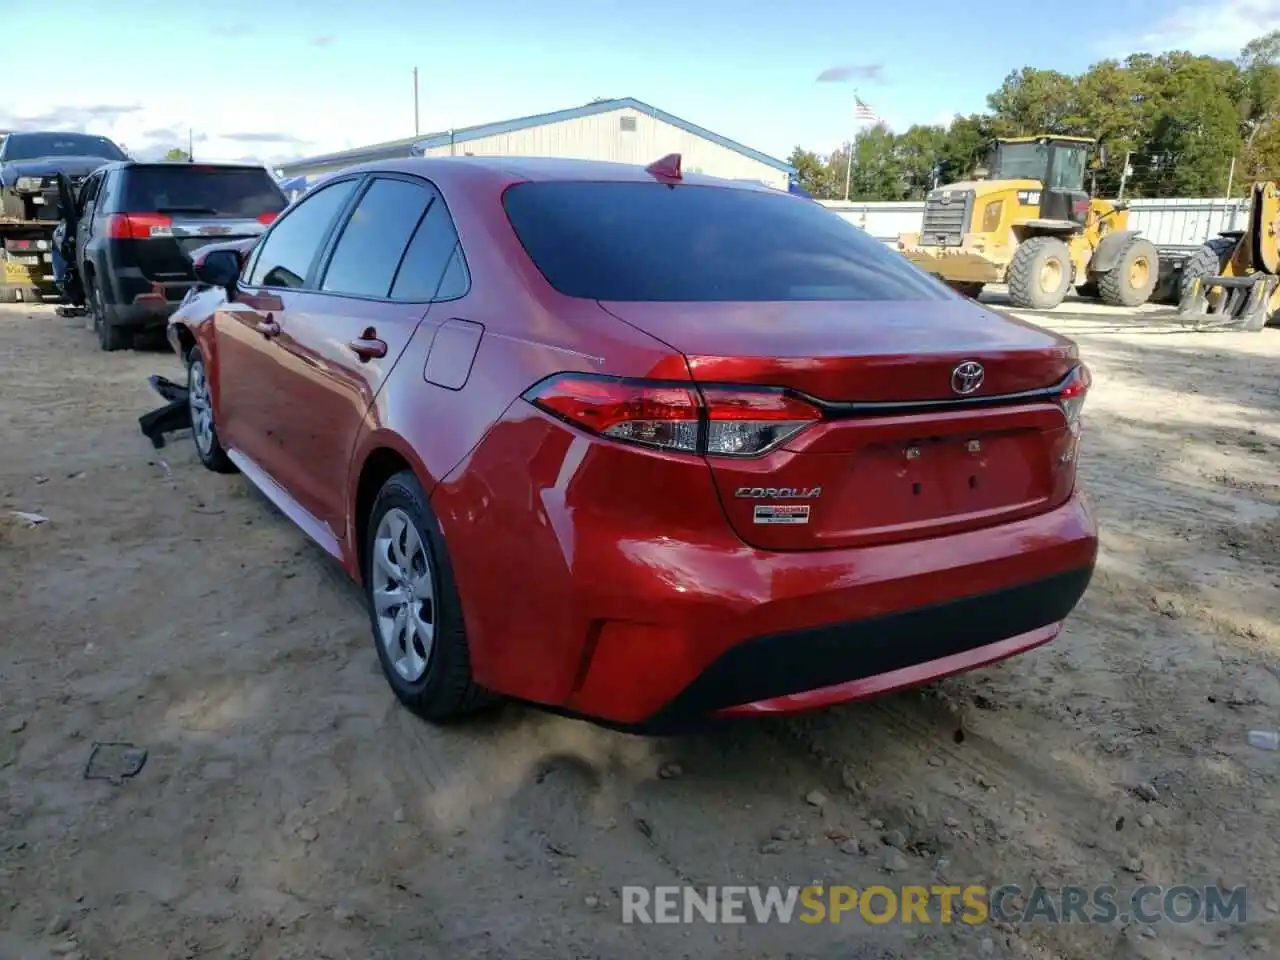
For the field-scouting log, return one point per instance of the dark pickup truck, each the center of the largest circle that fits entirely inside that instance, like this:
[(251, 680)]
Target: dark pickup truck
[(31, 204)]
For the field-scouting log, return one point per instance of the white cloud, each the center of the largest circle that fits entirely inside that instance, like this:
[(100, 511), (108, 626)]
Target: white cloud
[(1205, 27)]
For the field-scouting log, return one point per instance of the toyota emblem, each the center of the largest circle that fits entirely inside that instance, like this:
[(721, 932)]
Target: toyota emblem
[(967, 377)]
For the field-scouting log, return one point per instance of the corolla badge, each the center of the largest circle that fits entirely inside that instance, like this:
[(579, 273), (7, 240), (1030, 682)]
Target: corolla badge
[(778, 493), (967, 377)]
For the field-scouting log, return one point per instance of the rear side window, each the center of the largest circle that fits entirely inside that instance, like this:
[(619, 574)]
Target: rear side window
[(433, 268), (374, 239), (654, 242), (292, 244), (202, 191)]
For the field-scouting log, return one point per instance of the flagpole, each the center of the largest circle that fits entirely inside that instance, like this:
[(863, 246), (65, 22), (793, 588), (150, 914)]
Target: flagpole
[(848, 160), (848, 169)]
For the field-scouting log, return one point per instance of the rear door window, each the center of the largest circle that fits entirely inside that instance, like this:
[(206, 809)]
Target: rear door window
[(373, 240), (292, 245), (221, 192), (653, 242)]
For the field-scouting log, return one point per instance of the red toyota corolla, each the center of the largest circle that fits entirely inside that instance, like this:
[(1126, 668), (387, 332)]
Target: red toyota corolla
[(639, 446)]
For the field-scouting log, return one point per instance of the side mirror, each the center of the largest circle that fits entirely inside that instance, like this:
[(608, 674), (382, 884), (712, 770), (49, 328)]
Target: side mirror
[(1102, 154), (221, 268)]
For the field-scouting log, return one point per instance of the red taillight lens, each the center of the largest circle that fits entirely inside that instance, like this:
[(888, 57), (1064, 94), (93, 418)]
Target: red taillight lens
[(656, 415), (266, 219), (719, 421), (138, 226), (1072, 395)]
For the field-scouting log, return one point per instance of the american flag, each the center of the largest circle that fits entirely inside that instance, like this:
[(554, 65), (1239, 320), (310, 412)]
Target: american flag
[(863, 112)]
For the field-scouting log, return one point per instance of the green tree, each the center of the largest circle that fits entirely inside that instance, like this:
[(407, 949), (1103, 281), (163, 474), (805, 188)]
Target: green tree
[(1196, 130), (177, 153), (813, 173), (878, 172), (1259, 64), (1180, 121), (1032, 101), (965, 146), (919, 153)]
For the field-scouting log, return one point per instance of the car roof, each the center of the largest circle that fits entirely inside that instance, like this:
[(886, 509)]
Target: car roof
[(183, 164), (541, 169), (18, 134)]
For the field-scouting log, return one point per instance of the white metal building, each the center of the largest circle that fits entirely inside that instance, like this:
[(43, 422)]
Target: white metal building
[(622, 131)]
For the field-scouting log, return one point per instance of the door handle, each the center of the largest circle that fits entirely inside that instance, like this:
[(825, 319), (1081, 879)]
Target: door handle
[(268, 327), (368, 347)]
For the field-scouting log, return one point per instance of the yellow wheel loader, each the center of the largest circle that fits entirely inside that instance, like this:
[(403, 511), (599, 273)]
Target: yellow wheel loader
[(1233, 281), (1028, 221)]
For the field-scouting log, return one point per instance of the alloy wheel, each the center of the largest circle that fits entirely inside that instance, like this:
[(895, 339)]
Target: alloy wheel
[(403, 594), (198, 402)]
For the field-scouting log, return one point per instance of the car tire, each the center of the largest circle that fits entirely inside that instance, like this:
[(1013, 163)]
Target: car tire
[(111, 336), (414, 607), (204, 432)]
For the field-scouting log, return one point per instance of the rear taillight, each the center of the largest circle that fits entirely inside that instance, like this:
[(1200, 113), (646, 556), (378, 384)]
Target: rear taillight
[(714, 421), (266, 219), (1072, 395), (138, 226)]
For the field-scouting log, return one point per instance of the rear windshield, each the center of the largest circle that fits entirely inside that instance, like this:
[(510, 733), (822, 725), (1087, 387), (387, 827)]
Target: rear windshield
[(653, 242), (36, 146), (208, 191)]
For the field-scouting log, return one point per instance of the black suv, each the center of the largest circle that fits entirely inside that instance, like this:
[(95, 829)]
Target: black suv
[(135, 224)]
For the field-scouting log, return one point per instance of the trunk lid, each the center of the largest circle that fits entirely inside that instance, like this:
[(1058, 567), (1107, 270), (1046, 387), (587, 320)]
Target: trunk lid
[(898, 454), (841, 351)]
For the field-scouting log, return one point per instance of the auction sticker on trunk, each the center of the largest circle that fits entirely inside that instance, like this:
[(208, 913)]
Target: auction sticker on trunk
[(782, 513)]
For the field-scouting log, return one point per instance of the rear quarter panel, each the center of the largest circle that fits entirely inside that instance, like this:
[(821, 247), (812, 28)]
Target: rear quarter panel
[(530, 332)]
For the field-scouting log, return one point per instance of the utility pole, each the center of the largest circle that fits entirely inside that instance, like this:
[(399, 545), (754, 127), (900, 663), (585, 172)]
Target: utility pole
[(1231, 175), (1124, 174), (415, 102), (191, 149)]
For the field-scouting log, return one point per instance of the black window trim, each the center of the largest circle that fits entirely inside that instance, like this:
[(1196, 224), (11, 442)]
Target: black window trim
[(83, 198), (309, 280), (312, 285)]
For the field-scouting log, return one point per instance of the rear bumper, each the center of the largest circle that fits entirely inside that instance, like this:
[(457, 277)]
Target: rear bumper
[(868, 621), (965, 263), (141, 303), (860, 658)]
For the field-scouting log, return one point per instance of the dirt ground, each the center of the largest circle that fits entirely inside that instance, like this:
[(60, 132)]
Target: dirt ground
[(289, 808)]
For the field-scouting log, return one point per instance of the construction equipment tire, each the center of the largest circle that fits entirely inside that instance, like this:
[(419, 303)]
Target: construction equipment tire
[(1209, 261), (1040, 274), (1130, 282), (966, 288)]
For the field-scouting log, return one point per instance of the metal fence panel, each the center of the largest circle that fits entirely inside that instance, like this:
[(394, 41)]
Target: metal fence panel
[(1169, 223)]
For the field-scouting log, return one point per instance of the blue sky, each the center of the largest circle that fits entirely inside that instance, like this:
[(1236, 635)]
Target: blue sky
[(283, 78)]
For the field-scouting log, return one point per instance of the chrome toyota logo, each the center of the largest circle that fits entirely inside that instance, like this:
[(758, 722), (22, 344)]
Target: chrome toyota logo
[(967, 377)]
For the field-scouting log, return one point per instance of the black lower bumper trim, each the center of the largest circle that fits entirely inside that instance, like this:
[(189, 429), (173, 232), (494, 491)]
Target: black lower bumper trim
[(780, 664)]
